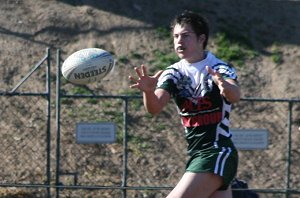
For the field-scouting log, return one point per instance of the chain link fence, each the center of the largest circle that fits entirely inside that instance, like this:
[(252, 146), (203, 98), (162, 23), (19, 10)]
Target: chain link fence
[(275, 170), (156, 149), (25, 135)]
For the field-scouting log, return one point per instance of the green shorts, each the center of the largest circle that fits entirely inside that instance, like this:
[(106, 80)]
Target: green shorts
[(220, 161)]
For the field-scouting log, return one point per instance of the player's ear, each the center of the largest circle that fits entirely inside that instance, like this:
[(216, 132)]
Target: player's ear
[(201, 38)]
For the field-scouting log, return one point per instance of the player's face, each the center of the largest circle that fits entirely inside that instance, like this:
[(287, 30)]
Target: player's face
[(186, 43)]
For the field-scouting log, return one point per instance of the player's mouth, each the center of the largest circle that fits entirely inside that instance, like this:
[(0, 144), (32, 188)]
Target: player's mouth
[(180, 49)]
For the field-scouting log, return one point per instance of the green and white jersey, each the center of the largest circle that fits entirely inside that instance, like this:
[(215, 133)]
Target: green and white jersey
[(204, 111)]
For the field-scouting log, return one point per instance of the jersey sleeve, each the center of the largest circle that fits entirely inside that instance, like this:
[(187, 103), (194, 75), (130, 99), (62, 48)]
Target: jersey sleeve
[(167, 81), (227, 71)]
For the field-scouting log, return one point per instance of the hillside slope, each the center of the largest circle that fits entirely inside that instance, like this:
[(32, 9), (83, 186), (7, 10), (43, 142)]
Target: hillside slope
[(129, 28)]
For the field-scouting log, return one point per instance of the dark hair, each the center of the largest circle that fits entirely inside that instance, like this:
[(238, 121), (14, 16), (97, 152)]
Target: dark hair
[(198, 23)]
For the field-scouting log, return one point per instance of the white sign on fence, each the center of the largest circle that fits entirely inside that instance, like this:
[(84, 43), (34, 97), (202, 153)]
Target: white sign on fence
[(93, 133), (250, 139)]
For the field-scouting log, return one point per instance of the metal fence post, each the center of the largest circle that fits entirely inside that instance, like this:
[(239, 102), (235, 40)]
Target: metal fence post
[(48, 87), (124, 178), (289, 149), (57, 183)]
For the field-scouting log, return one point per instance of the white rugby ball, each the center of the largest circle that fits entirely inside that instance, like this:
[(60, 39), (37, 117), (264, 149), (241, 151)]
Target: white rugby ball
[(87, 66)]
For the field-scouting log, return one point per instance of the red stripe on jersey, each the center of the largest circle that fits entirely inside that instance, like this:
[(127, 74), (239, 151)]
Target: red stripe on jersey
[(202, 119)]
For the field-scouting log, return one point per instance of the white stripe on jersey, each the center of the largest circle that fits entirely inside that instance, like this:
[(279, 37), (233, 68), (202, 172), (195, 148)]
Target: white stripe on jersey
[(225, 121)]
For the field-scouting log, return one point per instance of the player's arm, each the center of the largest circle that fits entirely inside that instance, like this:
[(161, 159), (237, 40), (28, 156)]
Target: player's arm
[(230, 90), (155, 101)]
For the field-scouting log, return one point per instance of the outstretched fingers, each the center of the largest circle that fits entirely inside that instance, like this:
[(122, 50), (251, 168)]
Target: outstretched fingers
[(217, 77), (211, 71), (143, 81), (141, 72), (144, 70), (138, 71), (134, 81)]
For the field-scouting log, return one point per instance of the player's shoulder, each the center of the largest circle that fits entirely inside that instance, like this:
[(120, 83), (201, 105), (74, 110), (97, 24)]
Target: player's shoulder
[(219, 64), (175, 67), (222, 67), (173, 71), (214, 60)]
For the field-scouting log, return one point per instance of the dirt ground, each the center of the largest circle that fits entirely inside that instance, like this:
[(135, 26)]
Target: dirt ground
[(128, 28)]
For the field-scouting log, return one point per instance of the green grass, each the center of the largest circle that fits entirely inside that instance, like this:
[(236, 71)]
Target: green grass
[(82, 90), (135, 104), (235, 50), (138, 144), (159, 127), (163, 60), (135, 55), (124, 60), (78, 90), (276, 54), (163, 33)]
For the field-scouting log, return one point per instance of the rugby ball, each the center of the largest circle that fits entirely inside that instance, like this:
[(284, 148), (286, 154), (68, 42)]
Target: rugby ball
[(87, 66)]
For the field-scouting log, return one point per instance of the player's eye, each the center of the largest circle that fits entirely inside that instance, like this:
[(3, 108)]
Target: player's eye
[(185, 35), (175, 36)]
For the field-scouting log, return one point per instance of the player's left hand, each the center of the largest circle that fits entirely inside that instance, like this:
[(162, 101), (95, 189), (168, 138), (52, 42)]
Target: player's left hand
[(217, 78)]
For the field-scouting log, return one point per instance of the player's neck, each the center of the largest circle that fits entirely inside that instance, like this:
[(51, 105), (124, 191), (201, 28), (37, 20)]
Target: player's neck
[(197, 58)]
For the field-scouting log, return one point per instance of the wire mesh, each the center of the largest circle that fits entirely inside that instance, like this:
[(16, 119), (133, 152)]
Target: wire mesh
[(23, 140), (156, 149)]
